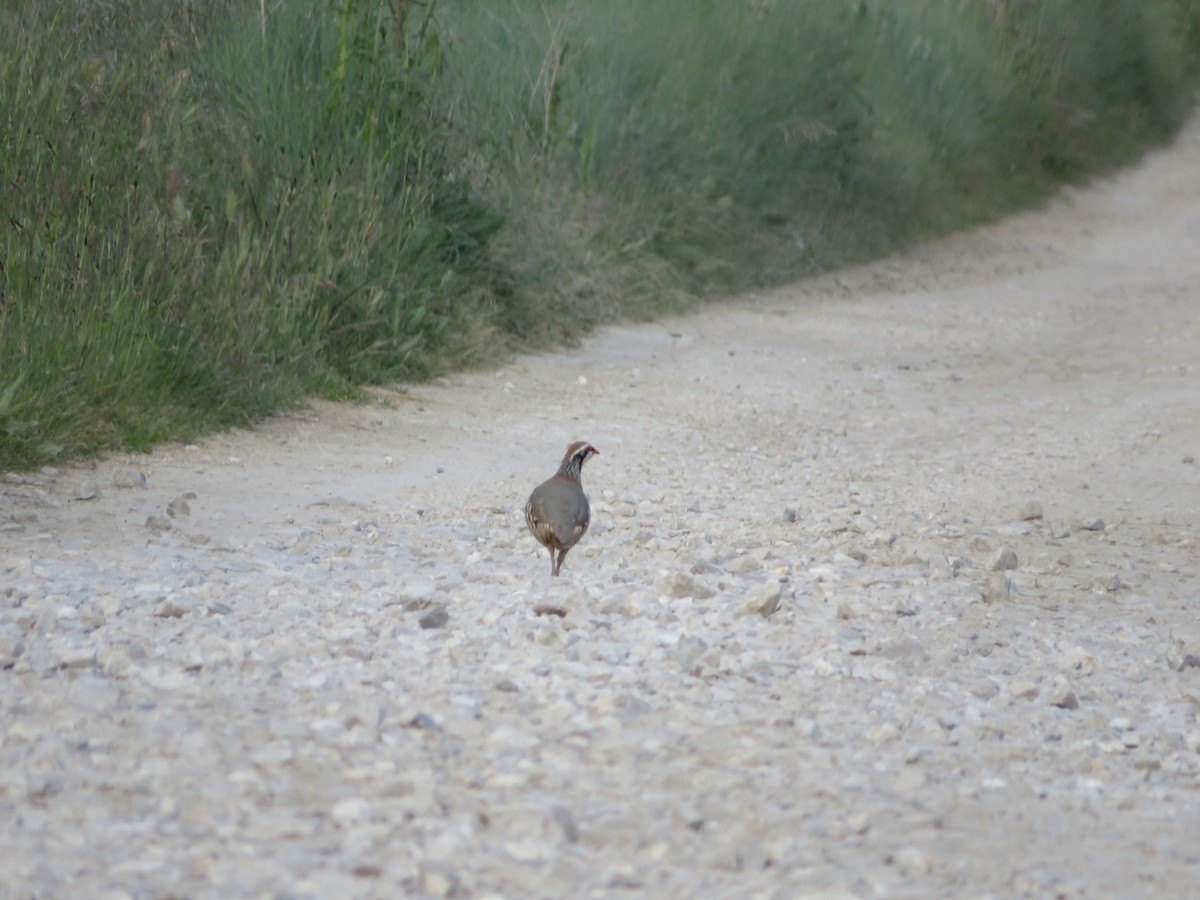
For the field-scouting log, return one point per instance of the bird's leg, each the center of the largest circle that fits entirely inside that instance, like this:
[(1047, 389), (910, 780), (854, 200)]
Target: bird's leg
[(553, 564)]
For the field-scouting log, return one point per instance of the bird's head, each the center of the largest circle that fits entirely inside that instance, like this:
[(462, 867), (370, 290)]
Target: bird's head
[(576, 455)]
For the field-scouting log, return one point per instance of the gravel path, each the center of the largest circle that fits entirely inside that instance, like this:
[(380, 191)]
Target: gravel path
[(891, 591)]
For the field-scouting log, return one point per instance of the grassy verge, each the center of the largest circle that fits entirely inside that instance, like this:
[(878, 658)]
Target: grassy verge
[(209, 215), (213, 210), (747, 143)]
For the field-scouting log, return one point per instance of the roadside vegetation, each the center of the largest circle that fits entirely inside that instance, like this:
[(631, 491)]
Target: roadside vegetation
[(210, 211)]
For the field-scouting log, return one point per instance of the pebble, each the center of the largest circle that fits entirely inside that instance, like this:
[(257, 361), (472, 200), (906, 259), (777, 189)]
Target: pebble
[(997, 589), (681, 584), (129, 478), (172, 608), (1184, 655), (766, 601), (89, 489), (1031, 509), (179, 507), (980, 544), (438, 617), (1023, 689), (424, 722), (1062, 695), (78, 658), (1002, 560), (942, 566)]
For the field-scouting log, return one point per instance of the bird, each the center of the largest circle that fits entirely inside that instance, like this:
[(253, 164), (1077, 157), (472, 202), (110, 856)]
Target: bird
[(557, 511)]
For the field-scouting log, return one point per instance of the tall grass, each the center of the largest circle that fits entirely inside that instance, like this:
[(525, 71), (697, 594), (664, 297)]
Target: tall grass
[(208, 215), (210, 210), (748, 142)]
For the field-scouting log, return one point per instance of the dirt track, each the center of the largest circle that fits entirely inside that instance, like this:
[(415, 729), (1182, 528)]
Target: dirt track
[(241, 700)]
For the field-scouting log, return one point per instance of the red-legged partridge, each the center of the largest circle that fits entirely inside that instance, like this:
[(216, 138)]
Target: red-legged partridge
[(557, 511)]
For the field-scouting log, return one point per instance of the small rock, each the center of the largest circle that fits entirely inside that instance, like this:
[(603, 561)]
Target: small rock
[(1107, 584), (1189, 459), (1002, 560), (1090, 525), (424, 722), (980, 544), (881, 537), (941, 567), (997, 589), (172, 608), (1031, 509), (743, 565), (680, 584), (78, 658), (567, 823), (766, 601), (1184, 656), (550, 609), (882, 733), (437, 881), (178, 507), (417, 593), (129, 478), (1023, 690), (902, 647), (630, 706), (789, 514), (88, 489), (158, 523), (435, 618), (985, 690), (1061, 695)]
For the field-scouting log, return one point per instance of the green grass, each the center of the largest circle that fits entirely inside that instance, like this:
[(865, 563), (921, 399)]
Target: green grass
[(745, 143), (207, 219), (214, 210)]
